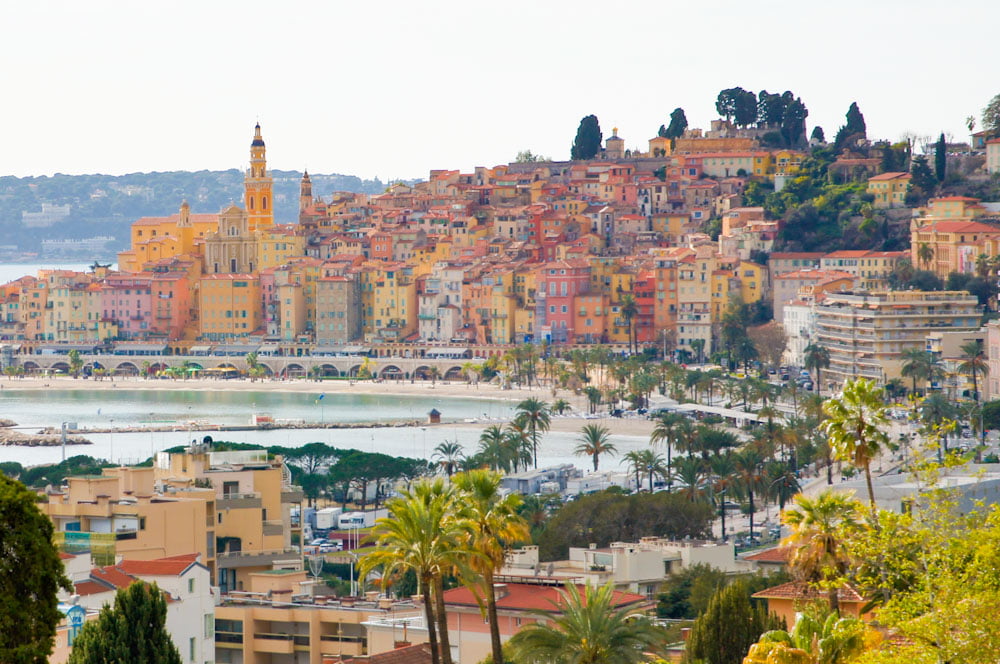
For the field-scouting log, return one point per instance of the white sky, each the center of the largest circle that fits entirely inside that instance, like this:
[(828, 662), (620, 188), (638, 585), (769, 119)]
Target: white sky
[(394, 89)]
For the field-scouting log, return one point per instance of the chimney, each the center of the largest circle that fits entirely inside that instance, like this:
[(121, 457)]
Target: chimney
[(592, 546)]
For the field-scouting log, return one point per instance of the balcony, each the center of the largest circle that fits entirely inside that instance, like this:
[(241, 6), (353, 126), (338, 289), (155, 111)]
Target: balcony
[(262, 558), (292, 495), (235, 501), (277, 644), (275, 527)]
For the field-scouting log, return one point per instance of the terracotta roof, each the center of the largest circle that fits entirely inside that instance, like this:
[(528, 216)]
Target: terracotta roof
[(955, 198), (789, 255), (889, 176), (112, 575), (84, 588), (960, 227), (419, 653), (528, 597), (65, 556), (777, 554), (155, 567), (802, 590)]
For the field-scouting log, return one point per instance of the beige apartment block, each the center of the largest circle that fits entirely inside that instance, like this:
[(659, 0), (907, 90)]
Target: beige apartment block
[(866, 333), (233, 508)]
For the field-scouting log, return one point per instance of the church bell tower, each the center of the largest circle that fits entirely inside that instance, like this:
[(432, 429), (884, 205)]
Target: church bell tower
[(258, 187)]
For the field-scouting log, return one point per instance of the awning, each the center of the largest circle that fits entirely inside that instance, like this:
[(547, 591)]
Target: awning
[(65, 348), (446, 352), (200, 350), (145, 349), (236, 349)]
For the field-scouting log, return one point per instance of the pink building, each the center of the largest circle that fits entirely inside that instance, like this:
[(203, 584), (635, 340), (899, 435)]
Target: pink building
[(558, 283), (126, 300)]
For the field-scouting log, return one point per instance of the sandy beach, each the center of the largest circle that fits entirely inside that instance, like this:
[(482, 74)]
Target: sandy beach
[(635, 426)]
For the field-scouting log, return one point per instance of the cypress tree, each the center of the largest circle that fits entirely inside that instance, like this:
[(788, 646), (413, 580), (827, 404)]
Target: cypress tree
[(134, 631), (729, 626), (678, 123), (588, 139), (940, 158)]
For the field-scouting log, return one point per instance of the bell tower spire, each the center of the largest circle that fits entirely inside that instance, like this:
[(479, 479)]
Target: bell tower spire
[(258, 186)]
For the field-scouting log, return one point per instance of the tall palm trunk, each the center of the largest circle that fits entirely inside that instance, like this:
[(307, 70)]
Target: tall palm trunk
[(425, 583), (491, 614), (834, 599), (442, 618)]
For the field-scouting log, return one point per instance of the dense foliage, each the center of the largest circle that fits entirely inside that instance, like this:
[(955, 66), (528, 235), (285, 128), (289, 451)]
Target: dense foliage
[(31, 574), (606, 517)]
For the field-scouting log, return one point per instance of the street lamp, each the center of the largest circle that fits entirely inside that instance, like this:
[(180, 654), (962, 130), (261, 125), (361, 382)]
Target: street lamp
[(354, 559), (722, 513)]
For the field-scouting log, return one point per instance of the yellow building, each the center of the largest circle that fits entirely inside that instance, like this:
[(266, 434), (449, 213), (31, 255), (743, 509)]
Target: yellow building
[(753, 281), (950, 246), (732, 164), (389, 302), (258, 197), (156, 238), (278, 245), (230, 306), (889, 189), (787, 162)]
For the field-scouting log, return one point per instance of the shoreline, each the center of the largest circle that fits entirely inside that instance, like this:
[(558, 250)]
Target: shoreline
[(570, 423)]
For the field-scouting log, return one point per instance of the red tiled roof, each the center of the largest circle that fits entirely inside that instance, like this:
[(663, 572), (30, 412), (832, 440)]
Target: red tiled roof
[(65, 556), (112, 575), (889, 176), (90, 588), (961, 227), (528, 597), (802, 590), (777, 554), (155, 567), (788, 255), (955, 198), (419, 653)]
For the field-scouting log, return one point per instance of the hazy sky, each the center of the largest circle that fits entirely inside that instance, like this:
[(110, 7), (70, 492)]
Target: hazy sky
[(394, 89)]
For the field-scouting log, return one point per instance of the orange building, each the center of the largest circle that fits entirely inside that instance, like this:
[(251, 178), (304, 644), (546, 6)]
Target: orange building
[(230, 306)]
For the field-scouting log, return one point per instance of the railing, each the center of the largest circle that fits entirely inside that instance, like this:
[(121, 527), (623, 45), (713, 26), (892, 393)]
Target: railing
[(228, 637)]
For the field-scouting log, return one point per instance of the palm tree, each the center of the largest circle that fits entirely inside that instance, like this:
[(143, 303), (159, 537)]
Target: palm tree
[(449, 455), (750, 477), (781, 482), (587, 629), (829, 640), (690, 474), (560, 406), (648, 461), (857, 426), (595, 441), (492, 448), (421, 535), (517, 446), (667, 430), (629, 310), (723, 476), (974, 364), (594, 397), (697, 346), (915, 365), (818, 551), (495, 525), (535, 415), (636, 464), (817, 358), (925, 254)]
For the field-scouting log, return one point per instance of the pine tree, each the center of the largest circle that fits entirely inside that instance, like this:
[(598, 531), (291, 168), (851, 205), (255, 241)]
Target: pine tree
[(588, 139), (923, 177), (133, 631), (729, 626), (818, 135), (940, 158), (31, 575)]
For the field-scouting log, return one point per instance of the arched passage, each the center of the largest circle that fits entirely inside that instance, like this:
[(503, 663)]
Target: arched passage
[(391, 372), (454, 373), (328, 371), (422, 372), (295, 370), (126, 369)]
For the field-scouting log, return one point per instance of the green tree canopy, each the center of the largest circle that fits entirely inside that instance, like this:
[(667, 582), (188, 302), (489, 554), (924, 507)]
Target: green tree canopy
[(678, 123), (31, 574), (729, 626), (588, 139), (132, 631)]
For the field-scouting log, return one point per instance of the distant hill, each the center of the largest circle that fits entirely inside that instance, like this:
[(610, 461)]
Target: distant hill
[(105, 205)]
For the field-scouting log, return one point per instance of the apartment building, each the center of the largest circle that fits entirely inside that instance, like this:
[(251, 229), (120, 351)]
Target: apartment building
[(866, 333), (235, 509)]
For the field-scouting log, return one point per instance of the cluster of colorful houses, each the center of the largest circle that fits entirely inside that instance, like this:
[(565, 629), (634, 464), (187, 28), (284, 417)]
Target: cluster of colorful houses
[(609, 250)]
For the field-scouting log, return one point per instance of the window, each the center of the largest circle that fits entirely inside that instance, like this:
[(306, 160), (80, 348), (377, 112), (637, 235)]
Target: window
[(209, 625), (191, 586), (191, 643)]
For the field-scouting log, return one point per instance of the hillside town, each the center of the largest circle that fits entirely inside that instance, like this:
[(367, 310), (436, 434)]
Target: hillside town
[(837, 297), (634, 249)]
